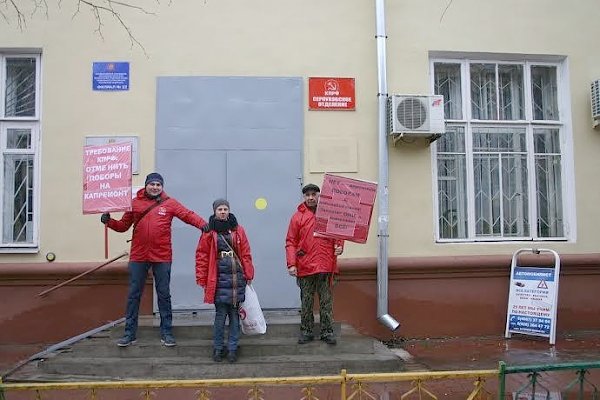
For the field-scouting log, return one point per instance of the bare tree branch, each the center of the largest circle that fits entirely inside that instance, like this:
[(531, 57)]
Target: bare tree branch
[(102, 10), (39, 4), (111, 9), (446, 9), (12, 5)]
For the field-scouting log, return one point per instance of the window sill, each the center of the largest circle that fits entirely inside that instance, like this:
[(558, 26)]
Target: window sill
[(501, 241), (19, 250)]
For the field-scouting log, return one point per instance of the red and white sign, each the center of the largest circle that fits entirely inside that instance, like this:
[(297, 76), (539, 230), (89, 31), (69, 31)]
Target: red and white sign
[(107, 178), (331, 94), (345, 208)]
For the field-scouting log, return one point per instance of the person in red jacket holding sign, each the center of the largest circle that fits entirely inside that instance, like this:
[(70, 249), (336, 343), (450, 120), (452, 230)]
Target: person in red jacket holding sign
[(313, 261), (151, 216)]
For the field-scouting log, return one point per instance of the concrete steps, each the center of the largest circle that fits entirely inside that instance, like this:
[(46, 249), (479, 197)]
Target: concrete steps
[(251, 347), (274, 354), (199, 368)]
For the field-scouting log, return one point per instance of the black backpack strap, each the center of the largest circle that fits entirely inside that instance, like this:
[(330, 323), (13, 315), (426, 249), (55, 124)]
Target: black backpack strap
[(158, 202)]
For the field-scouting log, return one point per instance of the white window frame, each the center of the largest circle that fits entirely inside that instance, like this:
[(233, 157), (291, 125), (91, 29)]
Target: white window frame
[(565, 129), (29, 122)]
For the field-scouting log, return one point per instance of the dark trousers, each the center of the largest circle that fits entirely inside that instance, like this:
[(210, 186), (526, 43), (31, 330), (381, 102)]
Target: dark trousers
[(138, 271), (309, 286), (225, 311)]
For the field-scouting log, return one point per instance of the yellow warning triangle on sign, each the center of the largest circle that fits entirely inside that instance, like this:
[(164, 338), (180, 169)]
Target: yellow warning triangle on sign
[(542, 285)]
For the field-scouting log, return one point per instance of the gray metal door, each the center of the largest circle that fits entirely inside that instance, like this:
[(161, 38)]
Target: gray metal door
[(239, 138), (263, 189)]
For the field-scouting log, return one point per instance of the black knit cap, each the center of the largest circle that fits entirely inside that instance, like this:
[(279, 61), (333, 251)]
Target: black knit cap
[(311, 187), (154, 177)]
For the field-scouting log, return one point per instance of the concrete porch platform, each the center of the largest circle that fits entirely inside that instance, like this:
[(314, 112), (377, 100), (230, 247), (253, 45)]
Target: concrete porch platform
[(266, 355), (273, 354)]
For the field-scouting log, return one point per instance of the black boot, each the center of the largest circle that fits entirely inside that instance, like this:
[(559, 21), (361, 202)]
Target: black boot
[(329, 339), (232, 356), (217, 355), (303, 339)]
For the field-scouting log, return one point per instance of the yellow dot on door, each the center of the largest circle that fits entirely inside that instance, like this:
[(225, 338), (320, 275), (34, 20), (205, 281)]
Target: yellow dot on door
[(260, 203)]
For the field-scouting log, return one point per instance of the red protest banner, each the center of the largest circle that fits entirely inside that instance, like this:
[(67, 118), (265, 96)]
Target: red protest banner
[(107, 178), (331, 94), (345, 208)]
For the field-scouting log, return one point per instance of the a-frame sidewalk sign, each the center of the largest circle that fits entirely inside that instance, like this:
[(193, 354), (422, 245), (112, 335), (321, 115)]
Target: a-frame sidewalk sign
[(533, 297)]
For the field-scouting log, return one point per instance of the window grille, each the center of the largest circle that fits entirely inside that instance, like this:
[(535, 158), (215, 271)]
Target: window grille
[(500, 163), (19, 135)]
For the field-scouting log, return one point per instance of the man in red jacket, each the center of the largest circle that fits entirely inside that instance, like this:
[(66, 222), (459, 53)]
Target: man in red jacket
[(313, 261), (151, 216)]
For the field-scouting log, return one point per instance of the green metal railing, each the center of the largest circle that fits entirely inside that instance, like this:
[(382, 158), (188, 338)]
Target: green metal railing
[(577, 387)]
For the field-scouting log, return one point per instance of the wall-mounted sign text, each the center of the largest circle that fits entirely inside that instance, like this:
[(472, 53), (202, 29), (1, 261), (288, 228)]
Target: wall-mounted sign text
[(345, 208), (107, 178), (331, 94), (110, 139), (110, 76)]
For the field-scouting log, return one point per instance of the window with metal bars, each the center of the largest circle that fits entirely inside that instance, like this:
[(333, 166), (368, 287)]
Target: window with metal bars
[(19, 135), (500, 164)]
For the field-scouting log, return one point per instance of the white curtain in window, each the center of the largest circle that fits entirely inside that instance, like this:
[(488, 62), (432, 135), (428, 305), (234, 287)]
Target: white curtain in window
[(548, 180), (447, 84), (544, 93), (452, 184), (483, 91), (510, 82), (500, 181)]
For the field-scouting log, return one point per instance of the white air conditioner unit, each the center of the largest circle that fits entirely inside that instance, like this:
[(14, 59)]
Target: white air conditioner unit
[(416, 115), (595, 93)]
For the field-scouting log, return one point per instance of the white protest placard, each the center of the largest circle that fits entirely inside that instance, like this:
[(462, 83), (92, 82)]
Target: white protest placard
[(533, 298)]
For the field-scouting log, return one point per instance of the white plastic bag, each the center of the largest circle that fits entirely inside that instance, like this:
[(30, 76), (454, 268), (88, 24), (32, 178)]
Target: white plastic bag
[(251, 315)]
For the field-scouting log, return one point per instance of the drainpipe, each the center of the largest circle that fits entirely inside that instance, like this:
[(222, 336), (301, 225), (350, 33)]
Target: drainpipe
[(382, 188)]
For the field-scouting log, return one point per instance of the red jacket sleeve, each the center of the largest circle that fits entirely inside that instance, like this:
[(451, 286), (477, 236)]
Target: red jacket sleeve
[(202, 258), (245, 254), (123, 224), (292, 241), (186, 215)]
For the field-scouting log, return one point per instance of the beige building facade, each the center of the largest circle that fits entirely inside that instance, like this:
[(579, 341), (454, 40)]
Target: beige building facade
[(517, 166)]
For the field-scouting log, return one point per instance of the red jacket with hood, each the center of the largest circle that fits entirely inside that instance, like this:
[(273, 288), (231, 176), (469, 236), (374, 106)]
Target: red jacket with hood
[(310, 254), (151, 238), (206, 260)]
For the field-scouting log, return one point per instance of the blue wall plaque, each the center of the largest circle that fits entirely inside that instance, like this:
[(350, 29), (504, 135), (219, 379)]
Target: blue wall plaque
[(110, 76)]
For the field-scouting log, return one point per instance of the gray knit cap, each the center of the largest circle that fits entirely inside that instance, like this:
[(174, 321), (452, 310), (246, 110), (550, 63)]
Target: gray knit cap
[(220, 202)]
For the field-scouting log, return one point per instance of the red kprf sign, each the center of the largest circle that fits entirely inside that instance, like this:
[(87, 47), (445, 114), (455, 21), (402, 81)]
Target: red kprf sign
[(331, 94), (107, 178), (345, 208)]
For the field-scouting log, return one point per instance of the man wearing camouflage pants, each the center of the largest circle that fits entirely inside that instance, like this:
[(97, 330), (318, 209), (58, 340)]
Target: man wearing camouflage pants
[(313, 261)]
